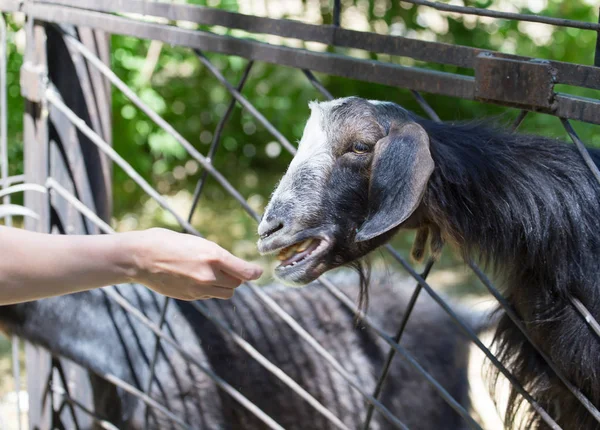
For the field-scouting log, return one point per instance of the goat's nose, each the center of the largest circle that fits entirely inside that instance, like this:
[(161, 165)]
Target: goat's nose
[(269, 225)]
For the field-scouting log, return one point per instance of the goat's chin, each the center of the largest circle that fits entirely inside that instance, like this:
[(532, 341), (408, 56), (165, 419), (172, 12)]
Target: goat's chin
[(301, 276), (298, 278)]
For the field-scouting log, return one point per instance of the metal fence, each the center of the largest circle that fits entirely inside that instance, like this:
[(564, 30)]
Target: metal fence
[(508, 80)]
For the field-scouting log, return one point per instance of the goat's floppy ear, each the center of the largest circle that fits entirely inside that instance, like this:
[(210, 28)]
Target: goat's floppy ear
[(401, 167)]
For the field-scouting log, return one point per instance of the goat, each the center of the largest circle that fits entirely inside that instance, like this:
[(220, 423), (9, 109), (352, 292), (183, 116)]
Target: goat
[(95, 332), (525, 206)]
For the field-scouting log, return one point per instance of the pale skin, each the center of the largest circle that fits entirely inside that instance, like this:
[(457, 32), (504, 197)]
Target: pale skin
[(35, 266)]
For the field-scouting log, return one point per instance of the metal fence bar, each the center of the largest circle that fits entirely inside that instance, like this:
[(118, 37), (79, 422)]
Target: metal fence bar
[(56, 365), (587, 316), (425, 106), (597, 52), (245, 103), (3, 110), (347, 302), (335, 64), (11, 180), (337, 12), (581, 148), (221, 383), (155, 353), (585, 313), (54, 185), (263, 361), (54, 99), (435, 52), (125, 386), (560, 22), (388, 362), (515, 319), (335, 364), (60, 391), (315, 82), (217, 137), (15, 343), (378, 72), (519, 119)]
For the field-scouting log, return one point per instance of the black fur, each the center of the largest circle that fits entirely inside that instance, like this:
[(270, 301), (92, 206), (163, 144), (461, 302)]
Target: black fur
[(528, 207)]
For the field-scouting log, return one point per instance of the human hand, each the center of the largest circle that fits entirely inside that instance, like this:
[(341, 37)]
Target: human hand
[(186, 267)]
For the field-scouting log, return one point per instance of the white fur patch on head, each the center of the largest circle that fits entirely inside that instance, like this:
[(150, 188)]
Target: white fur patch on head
[(308, 171)]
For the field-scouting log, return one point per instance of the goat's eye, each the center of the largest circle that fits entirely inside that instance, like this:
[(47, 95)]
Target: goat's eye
[(360, 148)]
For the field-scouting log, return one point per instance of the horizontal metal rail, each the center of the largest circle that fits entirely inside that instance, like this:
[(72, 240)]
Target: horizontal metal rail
[(11, 180), (433, 52), (417, 79), (467, 10)]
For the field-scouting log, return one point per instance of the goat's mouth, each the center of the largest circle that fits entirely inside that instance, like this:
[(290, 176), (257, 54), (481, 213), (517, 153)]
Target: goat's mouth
[(300, 260), (300, 251)]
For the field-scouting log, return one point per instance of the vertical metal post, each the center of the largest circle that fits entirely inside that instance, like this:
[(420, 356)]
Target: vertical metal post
[(337, 12), (597, 56), (3, 111), (16, 368), (35, 133), (76, 164)]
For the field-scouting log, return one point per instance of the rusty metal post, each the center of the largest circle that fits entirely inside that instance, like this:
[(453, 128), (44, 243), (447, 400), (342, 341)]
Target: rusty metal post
[(74, 162), (35, 133)]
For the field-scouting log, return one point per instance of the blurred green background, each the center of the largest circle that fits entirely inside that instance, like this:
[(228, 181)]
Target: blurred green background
[(173, 82)]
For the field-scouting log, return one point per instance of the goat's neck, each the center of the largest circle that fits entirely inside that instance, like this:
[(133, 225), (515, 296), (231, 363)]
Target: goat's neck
[(529, 207)]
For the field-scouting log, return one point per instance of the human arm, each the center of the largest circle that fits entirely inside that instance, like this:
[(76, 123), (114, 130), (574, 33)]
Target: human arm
[(35, 265)]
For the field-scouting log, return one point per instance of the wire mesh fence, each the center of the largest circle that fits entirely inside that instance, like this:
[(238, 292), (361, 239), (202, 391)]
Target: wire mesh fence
[(531, 90)]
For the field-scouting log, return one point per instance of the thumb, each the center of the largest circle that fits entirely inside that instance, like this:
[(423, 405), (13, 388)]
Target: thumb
[(239, 268)]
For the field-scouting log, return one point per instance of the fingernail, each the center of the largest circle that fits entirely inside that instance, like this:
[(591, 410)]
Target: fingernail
[(256, 273)]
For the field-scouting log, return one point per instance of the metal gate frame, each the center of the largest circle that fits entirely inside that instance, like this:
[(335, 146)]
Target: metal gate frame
[(507, 80)]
